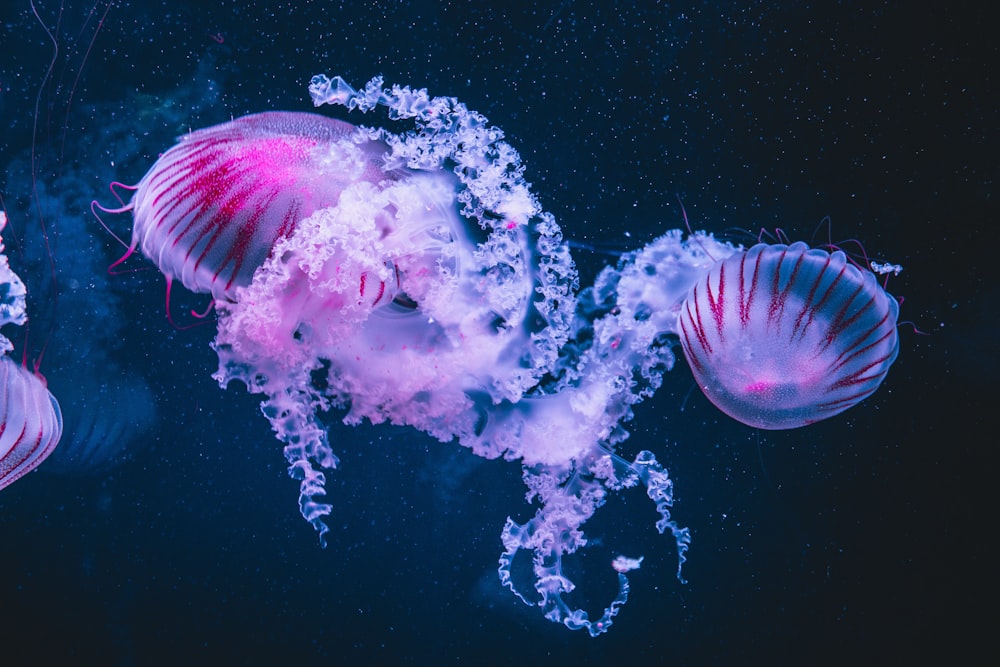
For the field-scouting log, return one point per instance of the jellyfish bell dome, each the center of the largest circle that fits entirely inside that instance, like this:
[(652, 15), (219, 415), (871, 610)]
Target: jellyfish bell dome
[(210, 209), (783, 336)]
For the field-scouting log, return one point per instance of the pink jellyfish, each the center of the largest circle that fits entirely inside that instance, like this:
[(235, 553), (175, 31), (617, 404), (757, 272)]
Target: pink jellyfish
[(212, 207), (359, 257), (30, 420), (783, 336)]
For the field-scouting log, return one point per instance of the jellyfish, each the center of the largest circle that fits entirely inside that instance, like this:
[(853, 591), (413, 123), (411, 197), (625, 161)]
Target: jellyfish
[(815, 322), (783, 336), (225, 194), (408, 275), (30, 420)]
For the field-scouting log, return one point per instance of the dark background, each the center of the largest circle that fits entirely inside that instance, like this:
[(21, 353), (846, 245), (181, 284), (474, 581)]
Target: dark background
[(861, 539)]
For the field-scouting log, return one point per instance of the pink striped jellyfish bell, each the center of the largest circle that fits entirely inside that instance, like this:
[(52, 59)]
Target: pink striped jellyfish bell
[(30, 421), (211, 208), (783, 336)]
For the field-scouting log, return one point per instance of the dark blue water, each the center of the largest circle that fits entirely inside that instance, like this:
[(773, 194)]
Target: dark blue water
[(856, 540)]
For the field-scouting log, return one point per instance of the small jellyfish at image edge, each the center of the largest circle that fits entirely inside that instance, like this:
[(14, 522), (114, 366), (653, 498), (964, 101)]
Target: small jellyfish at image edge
[(412, 277), (30, 419)]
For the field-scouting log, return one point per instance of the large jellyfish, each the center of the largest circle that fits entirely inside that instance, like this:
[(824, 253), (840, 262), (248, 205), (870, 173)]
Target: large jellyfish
[(411, 277)]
